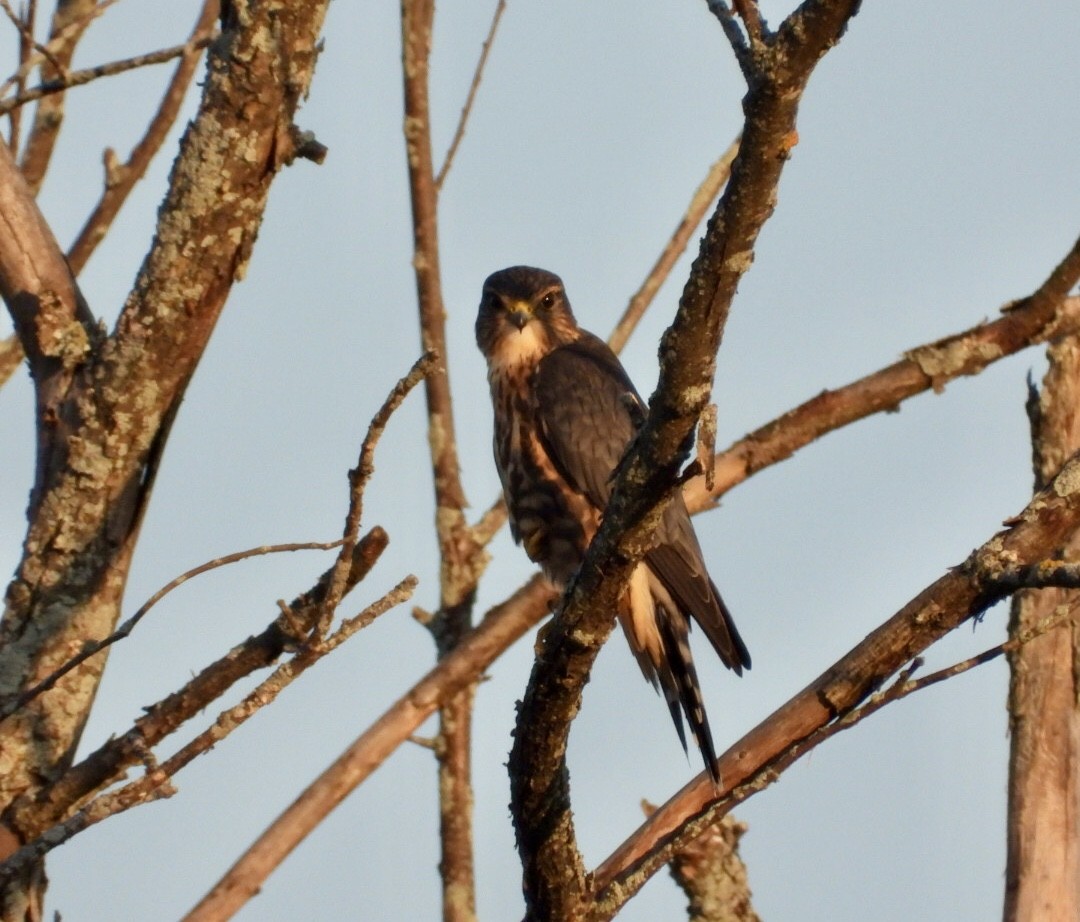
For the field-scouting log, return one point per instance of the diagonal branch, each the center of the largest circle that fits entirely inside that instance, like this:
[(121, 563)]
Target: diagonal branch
[(156, 782), (454, 673), (89, 74), (703, 198), (555, 884), (125, 629), (121, 178), (1044, 315), (466, 109), (965, 592), (107, 764)]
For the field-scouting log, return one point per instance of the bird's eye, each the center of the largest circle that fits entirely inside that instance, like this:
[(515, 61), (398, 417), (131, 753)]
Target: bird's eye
[(548, 301)]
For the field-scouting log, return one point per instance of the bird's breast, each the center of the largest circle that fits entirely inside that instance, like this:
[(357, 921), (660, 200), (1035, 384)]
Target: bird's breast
[(548, 515)]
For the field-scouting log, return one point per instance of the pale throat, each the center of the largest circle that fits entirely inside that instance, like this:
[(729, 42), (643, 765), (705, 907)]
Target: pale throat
[(520, 348)]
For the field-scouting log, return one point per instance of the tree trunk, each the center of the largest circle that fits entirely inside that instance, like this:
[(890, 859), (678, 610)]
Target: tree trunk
[(1042, 878)]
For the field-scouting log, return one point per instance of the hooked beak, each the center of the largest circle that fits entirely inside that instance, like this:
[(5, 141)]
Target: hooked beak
[(518, 314)]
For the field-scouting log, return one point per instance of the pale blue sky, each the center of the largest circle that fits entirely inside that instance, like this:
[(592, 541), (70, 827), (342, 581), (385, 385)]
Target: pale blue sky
[(935, 179)]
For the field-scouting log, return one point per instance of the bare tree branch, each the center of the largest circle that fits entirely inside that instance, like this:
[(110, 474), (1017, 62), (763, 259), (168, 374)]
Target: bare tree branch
[(112, 68), (454, 673), (1042, 316), (120, 178), (1042, 871), (25, 28), (53, 323), (156, 782), (69, 22), (556, 885), (102, 446), (712, 875), (303, 623), (358, 481), (703, 198), (966, 591), (466, 109), (125, 629), (107, 764), (461, 559)]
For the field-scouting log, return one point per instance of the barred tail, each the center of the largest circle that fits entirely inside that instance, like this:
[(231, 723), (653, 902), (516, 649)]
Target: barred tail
[(681, 689)]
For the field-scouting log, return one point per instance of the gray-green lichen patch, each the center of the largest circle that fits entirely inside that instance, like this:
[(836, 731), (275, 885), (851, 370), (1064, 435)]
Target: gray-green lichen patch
[(1068, 481), (944, 361)]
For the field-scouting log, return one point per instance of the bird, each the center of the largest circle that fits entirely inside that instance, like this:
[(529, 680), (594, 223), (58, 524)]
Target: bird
[(565, 413)]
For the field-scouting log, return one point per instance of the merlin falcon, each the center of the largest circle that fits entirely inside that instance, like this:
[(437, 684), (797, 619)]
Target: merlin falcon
[(565, 412)]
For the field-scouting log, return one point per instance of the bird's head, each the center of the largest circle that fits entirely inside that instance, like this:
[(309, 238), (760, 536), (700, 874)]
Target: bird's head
[(524, 314)]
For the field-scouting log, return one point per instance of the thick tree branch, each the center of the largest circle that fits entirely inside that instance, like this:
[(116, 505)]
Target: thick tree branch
[(966, 591), (102, 446), (556, 885), (52, 321), (1042, 872)]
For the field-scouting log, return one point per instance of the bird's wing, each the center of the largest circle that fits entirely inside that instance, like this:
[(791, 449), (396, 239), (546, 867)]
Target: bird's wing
[(678, 563), (587, 409), (584, 404)]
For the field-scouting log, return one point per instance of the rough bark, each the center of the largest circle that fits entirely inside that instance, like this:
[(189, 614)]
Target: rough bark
[(1042, 875), (712, 875), (777, 68), (105, 404)]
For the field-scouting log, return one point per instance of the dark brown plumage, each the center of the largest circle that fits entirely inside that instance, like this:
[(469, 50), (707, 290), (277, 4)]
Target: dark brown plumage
[(564, 415)]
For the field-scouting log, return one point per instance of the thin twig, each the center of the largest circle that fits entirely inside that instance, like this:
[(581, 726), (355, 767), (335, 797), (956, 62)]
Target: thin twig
[(81, 77), (703, 199), (27, 42), (358, 480), (501, 627), (459, 132), (50, 52), (106, 765), (120, 178), (11, 356), (125, 629), (156, 783), (734, 34)]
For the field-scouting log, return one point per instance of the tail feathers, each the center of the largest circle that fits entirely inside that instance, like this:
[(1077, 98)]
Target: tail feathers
[(679, 681), (658, 634)]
